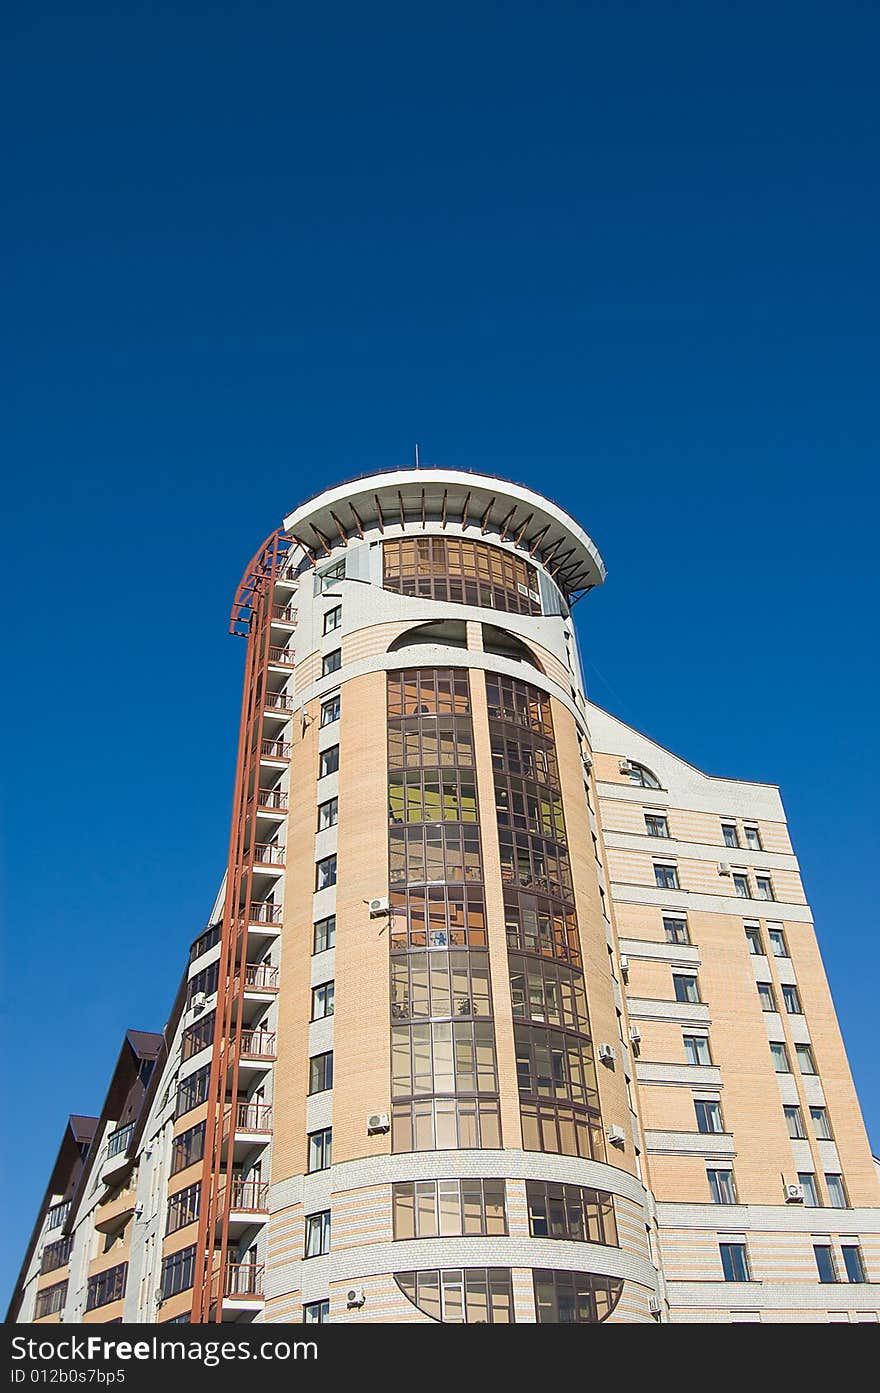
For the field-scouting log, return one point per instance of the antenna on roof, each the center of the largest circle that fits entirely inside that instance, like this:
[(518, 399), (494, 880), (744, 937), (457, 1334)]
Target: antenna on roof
[(417, 456)]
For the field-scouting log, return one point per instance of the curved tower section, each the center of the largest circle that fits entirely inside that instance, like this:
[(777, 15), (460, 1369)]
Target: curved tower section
[(427, 1026)]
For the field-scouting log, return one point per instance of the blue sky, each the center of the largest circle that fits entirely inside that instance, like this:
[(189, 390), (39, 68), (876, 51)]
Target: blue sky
[(625, 253)]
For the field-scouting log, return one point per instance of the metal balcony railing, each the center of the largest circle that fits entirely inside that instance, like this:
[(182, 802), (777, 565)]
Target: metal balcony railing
[(275, 749), (287, 613), (244, 1279), (274, 798), (269, 853), (258, 1044), (56, 1216), (252, 1117), (282, 657), (279, 701), (261, 976), (252, 1195), (118, 1141), (265, 912)]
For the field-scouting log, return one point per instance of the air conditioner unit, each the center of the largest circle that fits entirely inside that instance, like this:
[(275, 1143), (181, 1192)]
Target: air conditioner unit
[(607, 1054), (635, 1034), (624, 966), (587, 762), (724, 868), (199, 1001), (655, 1305), (624, 766), (617, 1136), (355, 1296), (379, 905), (794, 1194), (138, 1210), (378, 1122)]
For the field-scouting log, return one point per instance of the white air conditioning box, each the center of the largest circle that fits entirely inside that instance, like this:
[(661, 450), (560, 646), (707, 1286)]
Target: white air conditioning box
[(378, 1122), (624, 966), (724, 868), (635, 1034), (607, 1054), (199, 1001), (624, 766), (355, 1296), (655, 1305), (617, 1136), (794, 1194), (379, 905)]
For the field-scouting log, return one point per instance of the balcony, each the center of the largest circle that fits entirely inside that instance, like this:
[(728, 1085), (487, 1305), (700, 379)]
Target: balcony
[(205, 941), (268, 854), (279, 701), (116, 1159), (260, 977), (284, 614), (282, 657), (248, 1201), (253, 1122), (265, 912), (273, 800), (56, 1215), (243, 1288), (275, 749), (257, 1050)]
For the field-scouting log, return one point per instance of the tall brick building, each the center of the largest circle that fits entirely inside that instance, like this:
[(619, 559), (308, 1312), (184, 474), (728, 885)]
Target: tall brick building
[(503, 1012)]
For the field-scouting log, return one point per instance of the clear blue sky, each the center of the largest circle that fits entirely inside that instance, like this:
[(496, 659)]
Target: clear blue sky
[(624, 253)]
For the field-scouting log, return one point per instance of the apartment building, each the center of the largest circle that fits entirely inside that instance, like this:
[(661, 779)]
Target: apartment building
[(502, 1012)]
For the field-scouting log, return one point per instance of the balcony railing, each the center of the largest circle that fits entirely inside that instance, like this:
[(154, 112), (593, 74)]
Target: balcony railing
[(265, 912), (275, 749), (252, 1117), (244, 1279), (261, 977), (269, 853), (56, 1216), (252, 1195), (283, 657), (275, 798), (279, 701), (258, 1044), (118, 1141), (285, 612)]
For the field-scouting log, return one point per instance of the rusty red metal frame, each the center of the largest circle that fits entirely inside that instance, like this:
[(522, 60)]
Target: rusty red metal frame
[(251, 617)]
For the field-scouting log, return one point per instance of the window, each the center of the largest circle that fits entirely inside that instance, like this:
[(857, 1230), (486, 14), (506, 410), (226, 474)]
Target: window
[(56, 1254), (642, 777), (328, 762), (821, 1124), (204, 981), (325, 873), (331, 662), (811, 1194), (709, 1117), (763, 888), (461, 572), (330, 710), (806, 1062), (106, 1287), (753, 938), (656, 825), (317, 1234), (321, 1072), (322, 1000), (50, 1300), (795, 1122), (753, 839), (456, 983), (735, 1262), (332, 619), (574, 1298), (721, 1186), (685, 987), (696, 1049), (730, 834), (766, 997), (777, 942), (779, 1055), (448, 1208), (548, 992), (192, 1091), (197, 1036), (320, 1150), (792, 1000), (741, 885), (187, 1148), (470, 1295), (666, 877), (853, 1262), (442, 1057), (328, 814), (836, 1191), (445, 1124), (324, 934), (676, 930), (574, 1212), (327, 578), (177, 1272), (316, 1313), (825, 1262), (183, 1207)]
